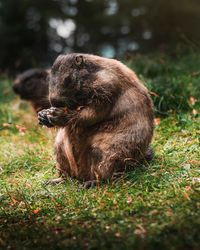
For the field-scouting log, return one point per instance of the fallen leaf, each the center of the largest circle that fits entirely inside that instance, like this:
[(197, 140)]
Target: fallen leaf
[(21, 129), (169, 212), (186, 195), (187, 188), (192, 100), (153, 93), (117, 235), (28, 185), (6, 125), (194, 112), (154, 211), (129, 200), (156, 121), (22, 204), (194, 162), (140, 231), (187, 166), (35, 211), (196, 179), (14, 201)]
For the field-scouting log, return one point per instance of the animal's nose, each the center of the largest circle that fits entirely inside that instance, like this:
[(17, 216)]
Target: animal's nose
[(16, 89), (57, 103)]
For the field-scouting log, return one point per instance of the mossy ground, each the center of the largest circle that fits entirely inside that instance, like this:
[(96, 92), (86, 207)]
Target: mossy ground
[(153, 207)]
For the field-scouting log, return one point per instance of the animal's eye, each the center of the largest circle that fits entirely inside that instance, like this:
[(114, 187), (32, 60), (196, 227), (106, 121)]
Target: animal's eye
[(67, 81), (30, 84)]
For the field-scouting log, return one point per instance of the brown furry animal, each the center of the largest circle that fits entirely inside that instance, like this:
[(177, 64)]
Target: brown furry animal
[(104, 113), (32, 85)]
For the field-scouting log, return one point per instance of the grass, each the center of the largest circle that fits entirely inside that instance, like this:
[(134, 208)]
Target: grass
[(152, 207), (171, 79)]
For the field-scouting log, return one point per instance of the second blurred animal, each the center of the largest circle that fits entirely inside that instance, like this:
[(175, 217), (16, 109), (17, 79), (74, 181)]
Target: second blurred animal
[(32, 85)]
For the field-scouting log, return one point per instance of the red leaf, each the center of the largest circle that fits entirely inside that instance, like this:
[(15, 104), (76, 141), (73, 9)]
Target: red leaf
[(21, 129), (35, 211), (157, 121)]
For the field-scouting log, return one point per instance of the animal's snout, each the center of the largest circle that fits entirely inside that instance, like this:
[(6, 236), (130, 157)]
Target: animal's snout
[(57, 103), (16, 89)]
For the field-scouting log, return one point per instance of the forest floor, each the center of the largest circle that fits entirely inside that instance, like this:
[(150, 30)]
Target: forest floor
[(152, 207)]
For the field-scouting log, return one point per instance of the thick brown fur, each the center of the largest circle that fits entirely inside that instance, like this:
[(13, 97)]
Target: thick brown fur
[(104, 113), (32, 85)]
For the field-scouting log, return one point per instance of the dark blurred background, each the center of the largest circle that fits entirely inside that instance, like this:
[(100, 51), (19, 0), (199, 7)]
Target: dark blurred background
[(34, 32)]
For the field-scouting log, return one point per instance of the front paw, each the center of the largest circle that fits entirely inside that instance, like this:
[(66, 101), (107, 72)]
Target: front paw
[(53, 117), (89, 184), (56, 181), (57, 116), (43, 118)]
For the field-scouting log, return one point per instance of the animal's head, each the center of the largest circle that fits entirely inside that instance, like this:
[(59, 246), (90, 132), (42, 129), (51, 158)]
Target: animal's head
[(71, 80), (32, 84)]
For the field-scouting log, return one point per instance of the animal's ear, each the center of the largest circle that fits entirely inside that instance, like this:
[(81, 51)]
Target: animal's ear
[(44, 74), (79, 60)]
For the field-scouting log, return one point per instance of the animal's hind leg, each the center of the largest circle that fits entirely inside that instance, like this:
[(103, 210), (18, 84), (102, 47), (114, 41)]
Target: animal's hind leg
[(104, 169), (62, 166), (101, 166), (61, 179)]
